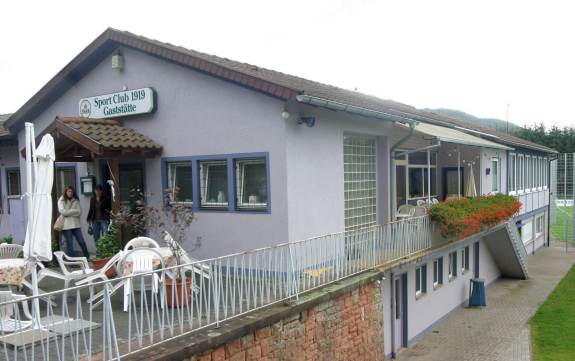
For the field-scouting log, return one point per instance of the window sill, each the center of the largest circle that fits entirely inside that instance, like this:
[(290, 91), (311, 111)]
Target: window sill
[(213, 208), (242, 208), (437, 286), (419, 295), (187, 204), (451, 278)]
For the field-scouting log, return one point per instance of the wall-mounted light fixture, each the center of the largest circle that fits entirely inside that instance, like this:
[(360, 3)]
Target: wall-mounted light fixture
[(309, 121), (118, 61)]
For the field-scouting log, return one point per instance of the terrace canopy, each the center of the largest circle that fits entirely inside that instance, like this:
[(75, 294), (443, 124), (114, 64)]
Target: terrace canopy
[(431, 132), (428, 137), (84, 140)]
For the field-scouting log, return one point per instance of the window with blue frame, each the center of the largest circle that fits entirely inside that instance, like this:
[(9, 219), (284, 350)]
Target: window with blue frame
[(180, 188), (235, 182), (251, 184), (213, 184), (13, 185)]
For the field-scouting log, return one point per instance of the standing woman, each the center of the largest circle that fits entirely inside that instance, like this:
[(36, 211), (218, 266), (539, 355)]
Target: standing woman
[(69, 208), (99, 213)]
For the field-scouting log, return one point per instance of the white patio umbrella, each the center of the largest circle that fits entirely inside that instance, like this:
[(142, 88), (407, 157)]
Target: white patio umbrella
[(470, 190), (40, 173)]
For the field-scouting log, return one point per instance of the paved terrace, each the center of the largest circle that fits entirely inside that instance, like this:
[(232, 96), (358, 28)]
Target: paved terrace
[(501, 330)]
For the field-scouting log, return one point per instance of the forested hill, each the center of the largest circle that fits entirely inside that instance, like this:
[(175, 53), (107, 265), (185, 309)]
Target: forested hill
[(497, 124)]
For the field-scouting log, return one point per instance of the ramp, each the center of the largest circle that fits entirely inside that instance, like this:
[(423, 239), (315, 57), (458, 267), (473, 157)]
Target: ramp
[(508, 251)]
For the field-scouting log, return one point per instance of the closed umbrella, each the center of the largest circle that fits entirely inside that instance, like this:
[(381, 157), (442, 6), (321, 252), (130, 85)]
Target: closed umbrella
[(470, 190), (38, 242)]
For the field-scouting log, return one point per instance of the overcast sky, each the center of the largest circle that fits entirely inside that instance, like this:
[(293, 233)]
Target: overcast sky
[(450, 54)]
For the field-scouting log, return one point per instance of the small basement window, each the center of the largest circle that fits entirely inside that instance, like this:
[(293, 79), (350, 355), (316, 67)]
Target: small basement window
[(465, 259), (213, 184), (251, 184), (452, 265), (420, 281), (437, 272)]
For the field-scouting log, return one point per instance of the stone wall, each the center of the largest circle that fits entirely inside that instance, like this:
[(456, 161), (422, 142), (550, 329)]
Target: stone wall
[(346, 326)]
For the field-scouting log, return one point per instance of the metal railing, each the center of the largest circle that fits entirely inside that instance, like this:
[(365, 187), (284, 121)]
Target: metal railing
[(518, 245), (99, 322)]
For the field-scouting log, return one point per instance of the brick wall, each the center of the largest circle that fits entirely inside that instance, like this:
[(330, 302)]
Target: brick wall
[(348, 326)]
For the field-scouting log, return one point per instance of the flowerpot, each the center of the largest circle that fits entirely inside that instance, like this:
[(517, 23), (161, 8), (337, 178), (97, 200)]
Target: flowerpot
[(100, 263), (177, 300)]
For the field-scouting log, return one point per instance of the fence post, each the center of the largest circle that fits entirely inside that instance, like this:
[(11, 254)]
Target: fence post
[(292, 277)]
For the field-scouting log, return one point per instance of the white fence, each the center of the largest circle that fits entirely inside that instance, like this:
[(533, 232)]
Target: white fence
[(98, 321)]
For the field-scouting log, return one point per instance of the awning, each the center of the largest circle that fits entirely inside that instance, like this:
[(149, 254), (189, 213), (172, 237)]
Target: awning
[(450, 135), (83, 140)]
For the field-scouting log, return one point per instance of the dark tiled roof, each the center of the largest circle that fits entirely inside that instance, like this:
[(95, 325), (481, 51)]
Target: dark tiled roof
[(110, 134), (274, 83), (3, 131)]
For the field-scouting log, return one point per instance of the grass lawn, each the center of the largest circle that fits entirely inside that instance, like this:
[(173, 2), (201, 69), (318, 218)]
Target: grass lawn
[(553, 326), (564, 218)]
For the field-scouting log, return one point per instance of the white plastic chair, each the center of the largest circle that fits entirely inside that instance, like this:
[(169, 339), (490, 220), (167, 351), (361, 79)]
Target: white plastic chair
[(434, 201), (421, 202), (100, 275), (10, 251), (7, 321), (68, 273), (405, 211), (187, 260), (142, 262), (420, 211), (141, 242)]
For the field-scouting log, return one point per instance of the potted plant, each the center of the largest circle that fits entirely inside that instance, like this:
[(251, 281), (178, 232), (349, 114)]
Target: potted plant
[(8, 239), (174, 217), (106, 247)]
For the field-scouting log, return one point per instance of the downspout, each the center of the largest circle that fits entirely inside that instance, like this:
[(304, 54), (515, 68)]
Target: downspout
[(393, 187), (392, 303)]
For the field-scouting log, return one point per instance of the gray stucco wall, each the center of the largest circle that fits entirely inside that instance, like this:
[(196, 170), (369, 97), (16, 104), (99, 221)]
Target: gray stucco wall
[(487, 154), (435, 304), (315, 170), (10, 217), (196, 115)]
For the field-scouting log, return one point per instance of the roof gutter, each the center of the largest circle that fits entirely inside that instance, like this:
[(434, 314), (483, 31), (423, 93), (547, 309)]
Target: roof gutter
[(352, 109)]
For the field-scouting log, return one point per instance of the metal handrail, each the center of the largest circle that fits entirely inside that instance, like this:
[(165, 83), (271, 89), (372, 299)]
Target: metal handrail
[(238, 283)]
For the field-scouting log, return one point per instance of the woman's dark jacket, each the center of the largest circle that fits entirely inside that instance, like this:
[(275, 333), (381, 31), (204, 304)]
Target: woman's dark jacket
[(105, 208)]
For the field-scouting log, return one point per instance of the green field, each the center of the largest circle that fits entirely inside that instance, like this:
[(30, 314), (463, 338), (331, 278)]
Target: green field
[(564, 220), (553, 326)]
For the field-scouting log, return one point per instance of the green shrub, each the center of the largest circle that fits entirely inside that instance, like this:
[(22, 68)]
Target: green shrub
[(107, 246)]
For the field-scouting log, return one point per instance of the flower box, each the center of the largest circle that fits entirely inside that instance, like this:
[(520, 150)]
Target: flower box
[(460, 218)]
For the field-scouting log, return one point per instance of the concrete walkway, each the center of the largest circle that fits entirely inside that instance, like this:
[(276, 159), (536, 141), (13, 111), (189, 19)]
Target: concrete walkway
[(501, 330)]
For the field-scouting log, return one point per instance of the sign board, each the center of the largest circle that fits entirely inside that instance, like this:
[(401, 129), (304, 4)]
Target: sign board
[(128, 102)]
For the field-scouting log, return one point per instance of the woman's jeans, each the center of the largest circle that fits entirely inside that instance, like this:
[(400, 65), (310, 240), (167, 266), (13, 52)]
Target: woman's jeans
[(100, 228), (77, 233)]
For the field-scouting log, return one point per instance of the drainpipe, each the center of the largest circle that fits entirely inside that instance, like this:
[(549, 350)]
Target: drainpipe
[(392, 168), (392, 303)]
